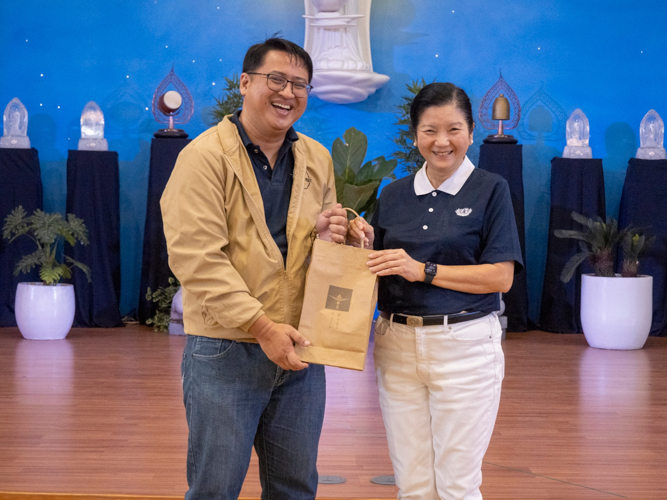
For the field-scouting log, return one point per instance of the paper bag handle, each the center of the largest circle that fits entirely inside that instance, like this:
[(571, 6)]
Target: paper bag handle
[(355, 213)]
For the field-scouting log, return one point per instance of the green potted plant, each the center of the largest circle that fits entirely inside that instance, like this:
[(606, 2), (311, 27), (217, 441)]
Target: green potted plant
[(616, 309), (407, 155), (357, 183), (45, 310), (163, 297), (230, 101)]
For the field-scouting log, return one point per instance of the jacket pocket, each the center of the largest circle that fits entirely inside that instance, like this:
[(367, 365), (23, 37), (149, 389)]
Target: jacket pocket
[(208, 319)]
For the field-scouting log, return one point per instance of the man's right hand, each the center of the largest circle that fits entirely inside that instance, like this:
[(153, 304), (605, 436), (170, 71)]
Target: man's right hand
[(277, 341)]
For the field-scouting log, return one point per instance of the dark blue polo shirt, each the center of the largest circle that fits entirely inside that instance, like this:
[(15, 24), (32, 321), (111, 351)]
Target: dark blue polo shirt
[(275, 184), (474, 226)]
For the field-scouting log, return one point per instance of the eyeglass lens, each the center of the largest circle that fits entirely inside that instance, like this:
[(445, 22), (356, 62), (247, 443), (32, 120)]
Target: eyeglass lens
[(278, 83)]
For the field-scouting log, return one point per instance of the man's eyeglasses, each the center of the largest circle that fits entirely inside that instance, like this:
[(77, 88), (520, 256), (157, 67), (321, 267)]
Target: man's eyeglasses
[(278, 83)]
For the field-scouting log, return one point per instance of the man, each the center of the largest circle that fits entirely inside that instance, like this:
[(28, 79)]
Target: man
[(241, 209)]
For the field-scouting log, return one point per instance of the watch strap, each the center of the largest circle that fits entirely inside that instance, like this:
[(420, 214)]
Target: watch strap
[(430, 270)]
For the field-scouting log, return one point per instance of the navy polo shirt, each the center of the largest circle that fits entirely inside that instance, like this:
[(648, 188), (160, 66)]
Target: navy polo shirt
[(474, 226), (275, 184)]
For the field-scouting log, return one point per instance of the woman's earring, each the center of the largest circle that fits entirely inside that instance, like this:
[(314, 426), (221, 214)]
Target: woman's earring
[(471, 141)]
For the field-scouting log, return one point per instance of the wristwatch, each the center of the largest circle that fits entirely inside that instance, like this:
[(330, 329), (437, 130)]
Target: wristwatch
[(430, 270)]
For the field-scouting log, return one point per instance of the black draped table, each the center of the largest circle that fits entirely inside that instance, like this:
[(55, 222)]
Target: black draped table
[(507, 161), (577, 185), (20, 184), (93, 194), (644, 204), (155, 261)]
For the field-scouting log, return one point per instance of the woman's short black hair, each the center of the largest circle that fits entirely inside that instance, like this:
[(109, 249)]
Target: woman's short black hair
[(254, 58), (440, 94)]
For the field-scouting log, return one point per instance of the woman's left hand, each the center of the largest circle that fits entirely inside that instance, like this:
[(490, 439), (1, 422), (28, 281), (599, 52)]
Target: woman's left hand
[(396, 262)]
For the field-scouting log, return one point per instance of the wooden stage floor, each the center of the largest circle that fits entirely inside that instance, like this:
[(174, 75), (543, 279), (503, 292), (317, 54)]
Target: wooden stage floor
[(101, 413)]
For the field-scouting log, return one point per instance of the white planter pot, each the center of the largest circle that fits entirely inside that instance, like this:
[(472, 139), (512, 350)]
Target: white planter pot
[(616, 313), (44, 312)]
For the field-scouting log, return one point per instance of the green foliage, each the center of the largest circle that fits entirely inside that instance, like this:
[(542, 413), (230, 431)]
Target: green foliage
[(230, 101), (598, 242), (356, 184), (162, 297), (48, 231), (407, 154), (633, 243)]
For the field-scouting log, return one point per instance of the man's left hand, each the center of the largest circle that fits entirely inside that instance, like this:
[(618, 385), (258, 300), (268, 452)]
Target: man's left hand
[(331, 224)]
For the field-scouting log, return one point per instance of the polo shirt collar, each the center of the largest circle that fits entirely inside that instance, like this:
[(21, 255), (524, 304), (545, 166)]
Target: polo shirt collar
[(451, 186), (290, 137)]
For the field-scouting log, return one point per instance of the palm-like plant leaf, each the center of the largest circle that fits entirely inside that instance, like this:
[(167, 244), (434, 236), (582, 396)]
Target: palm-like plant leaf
[(46, 226), (79, 265), (16, 224), (574, 235), (27, 262), (50, 275), (47, 230), (597, 241), (230, 101), (408, 154), (572, 264), (78, 229)]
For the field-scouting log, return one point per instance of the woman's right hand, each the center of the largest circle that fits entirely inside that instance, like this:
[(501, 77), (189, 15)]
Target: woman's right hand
[(359, 230)]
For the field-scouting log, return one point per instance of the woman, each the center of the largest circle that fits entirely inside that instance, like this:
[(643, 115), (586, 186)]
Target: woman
[(445, 244)]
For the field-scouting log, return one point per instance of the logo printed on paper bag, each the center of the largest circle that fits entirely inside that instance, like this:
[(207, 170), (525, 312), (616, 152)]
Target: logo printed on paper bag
[(339, 299)]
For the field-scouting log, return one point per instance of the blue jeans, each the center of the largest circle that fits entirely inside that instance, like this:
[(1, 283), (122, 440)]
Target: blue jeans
[(235, 397)]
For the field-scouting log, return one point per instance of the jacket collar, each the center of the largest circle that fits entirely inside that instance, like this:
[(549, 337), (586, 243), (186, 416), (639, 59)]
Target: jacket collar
[(233, 148), (290, 137)]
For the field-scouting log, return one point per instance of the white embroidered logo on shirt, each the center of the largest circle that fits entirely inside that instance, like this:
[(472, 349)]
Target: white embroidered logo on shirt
[(462, 212)]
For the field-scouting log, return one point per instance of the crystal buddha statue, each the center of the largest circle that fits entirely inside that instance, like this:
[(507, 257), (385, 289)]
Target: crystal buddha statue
[(577, 133), (15, 126), (651, 137), (92, 129)]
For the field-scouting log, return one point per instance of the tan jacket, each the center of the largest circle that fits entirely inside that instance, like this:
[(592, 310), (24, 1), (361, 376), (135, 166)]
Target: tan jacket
[(220, 247)]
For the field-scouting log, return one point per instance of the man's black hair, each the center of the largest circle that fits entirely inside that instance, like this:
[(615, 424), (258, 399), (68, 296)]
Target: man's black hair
[(254, 58)]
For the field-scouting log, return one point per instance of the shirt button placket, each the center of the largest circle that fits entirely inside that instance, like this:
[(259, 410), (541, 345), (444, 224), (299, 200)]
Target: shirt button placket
[(428, 215)]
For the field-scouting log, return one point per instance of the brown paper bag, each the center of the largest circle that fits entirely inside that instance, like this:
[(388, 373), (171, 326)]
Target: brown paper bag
[(340, 298)]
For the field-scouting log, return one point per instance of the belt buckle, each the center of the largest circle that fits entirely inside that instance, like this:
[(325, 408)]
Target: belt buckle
[(414, 321)]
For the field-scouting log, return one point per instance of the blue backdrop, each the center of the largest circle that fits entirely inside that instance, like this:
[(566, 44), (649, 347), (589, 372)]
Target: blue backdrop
[(607, 58)]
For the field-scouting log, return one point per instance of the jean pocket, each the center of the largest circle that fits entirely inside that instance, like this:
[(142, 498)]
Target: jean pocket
[(477, 330), (208, 348), (380, 327)]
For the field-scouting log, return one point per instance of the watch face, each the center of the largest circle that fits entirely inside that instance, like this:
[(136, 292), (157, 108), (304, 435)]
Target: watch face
[(431, 269)]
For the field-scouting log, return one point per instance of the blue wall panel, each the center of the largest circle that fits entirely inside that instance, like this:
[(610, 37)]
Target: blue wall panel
[(607, 58)]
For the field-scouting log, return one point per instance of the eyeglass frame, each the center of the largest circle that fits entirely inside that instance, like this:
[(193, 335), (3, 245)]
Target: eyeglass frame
[(269, 75)]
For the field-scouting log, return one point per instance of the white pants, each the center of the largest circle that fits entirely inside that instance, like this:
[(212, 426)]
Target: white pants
[(439, 393)]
